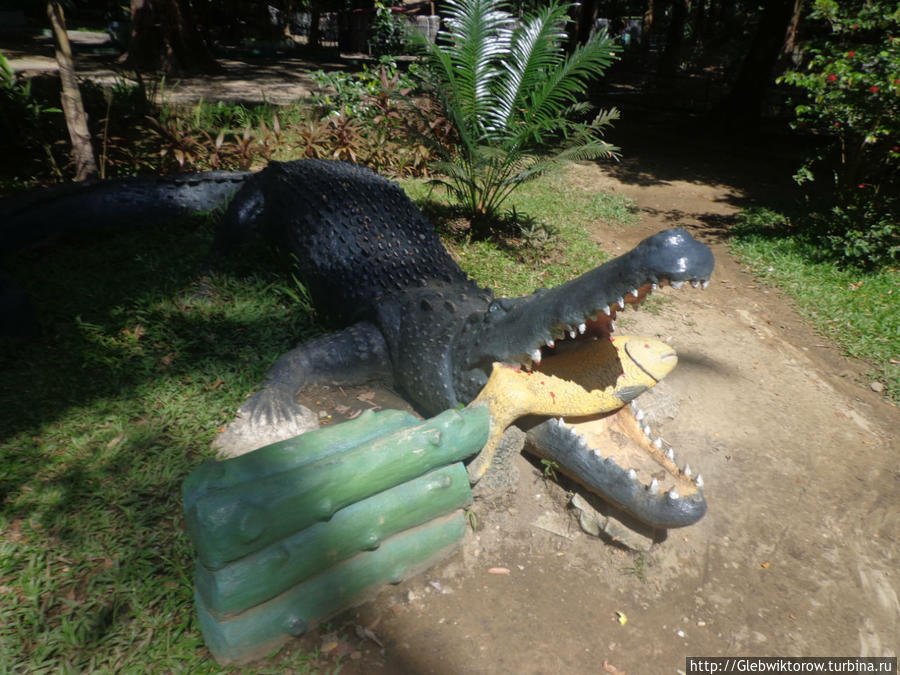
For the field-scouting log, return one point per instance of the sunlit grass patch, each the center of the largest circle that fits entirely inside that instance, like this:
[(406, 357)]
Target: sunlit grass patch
[(517, 266), (859, 310), (140, 361)]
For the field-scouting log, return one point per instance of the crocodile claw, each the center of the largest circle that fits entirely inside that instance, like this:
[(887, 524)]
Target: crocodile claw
[(270, 415)]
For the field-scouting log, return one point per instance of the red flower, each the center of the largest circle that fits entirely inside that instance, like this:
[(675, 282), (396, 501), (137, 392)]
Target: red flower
[(862, 186), (896, 148), (851, 54), (832, 77), (873, 89)]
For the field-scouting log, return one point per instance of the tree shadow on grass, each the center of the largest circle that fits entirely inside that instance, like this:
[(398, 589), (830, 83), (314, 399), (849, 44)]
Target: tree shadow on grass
[(139, 361)]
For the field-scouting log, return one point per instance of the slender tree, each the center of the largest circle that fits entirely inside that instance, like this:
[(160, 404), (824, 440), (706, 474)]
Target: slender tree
[(165, 38), (73, 107), (670, 60), (744, 103)]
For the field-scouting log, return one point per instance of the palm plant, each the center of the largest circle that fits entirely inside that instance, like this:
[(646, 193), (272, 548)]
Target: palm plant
[(513, 96)]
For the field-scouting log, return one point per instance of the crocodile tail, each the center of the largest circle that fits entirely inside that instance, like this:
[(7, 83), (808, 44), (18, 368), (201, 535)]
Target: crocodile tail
[(41, 215)]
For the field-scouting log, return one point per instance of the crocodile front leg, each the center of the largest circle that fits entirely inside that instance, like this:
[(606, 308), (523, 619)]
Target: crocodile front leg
[(350, 356)]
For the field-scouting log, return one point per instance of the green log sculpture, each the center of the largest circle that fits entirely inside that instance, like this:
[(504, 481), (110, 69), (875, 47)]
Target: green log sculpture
[(228, 520), (299, 530), (258, 631), (362, 526)]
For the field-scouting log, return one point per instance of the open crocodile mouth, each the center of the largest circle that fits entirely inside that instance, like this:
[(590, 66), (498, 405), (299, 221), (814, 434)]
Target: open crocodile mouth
[(575, 391)]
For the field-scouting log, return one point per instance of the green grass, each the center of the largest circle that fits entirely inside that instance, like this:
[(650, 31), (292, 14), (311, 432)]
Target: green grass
[(859, 310), (514, 268), (138, 364)]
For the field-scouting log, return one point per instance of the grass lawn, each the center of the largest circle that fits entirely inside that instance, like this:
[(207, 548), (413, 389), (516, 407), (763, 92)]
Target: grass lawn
[(139, 363), (859, 310)]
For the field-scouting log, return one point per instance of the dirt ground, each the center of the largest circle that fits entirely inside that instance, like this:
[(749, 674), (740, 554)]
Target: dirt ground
[(799, 553)]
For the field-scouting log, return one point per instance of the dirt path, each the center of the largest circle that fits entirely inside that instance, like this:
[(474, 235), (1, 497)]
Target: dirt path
[(799, 554)]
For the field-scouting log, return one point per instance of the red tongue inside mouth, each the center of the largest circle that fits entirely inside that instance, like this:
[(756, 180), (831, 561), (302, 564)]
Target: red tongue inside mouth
[(601, 326)]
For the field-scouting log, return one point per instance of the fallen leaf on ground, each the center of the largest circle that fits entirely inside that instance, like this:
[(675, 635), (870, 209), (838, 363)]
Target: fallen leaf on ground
[(366, 634)]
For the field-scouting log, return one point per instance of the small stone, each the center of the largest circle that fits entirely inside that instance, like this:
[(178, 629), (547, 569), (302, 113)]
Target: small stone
[(877, 387)]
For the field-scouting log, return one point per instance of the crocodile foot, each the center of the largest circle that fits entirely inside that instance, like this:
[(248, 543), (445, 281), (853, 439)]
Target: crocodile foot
[(270, 415)]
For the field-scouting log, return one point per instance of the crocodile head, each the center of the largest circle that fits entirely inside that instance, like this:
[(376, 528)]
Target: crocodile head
[(520, 354), (576, 411)]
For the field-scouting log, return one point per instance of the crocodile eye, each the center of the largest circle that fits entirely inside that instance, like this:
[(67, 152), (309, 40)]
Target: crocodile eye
[(498, 305)]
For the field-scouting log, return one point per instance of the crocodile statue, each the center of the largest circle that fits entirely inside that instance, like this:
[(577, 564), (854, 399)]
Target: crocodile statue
[(406, 313)]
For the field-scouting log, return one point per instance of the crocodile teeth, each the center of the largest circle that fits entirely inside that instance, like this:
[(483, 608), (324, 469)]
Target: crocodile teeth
[(621, 302), (654, 484), (676, 284), (581, 328), (535, 355), (631, 473), (695, 283), (551, 344), (655, 286), (612, 325), (657, 443), (647, 430), (638, 414), (704, 284), (687, 470), (698, 481), (560, 423), (673, 494), (634, 292), (606, 310), (670, 454), (572, 333)]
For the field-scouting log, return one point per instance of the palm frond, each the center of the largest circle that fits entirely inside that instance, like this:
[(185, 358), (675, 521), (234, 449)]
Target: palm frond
[(510, 90), (479, 34), (565, 84), (535, 50)]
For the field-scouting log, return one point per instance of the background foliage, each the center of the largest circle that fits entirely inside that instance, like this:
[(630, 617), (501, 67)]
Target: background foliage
[(849, 87)]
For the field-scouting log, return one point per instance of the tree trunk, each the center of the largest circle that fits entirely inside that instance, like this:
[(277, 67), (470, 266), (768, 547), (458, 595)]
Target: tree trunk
[(315, 35), (670, 61), (73, 107), (744, 104), (165, 38), (790, 37), (583, 14), (647, 28)]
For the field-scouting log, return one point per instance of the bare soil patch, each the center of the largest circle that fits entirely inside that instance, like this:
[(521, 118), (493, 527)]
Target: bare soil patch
[(797, 556)]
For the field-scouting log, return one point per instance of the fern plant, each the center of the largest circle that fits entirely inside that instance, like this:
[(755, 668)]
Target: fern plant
[(514, 98)]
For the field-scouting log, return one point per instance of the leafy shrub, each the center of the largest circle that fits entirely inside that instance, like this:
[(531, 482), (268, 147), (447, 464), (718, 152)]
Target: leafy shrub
[(377, 117), (850, 97), (512, 94), (29, 122), (390, 32)]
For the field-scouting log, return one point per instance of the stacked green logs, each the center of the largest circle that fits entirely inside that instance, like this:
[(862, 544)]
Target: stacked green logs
[(297, 531)]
